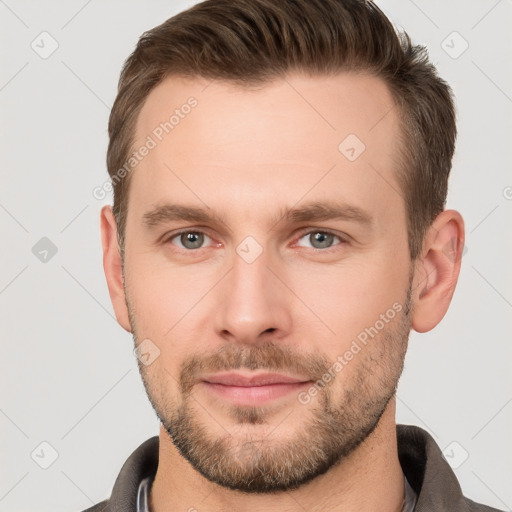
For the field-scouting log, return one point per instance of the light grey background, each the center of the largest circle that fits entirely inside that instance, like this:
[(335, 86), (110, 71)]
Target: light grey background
[(68, 374)]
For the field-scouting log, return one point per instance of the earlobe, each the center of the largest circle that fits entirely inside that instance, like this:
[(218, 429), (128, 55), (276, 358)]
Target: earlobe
[(437, 271), (113, 267)]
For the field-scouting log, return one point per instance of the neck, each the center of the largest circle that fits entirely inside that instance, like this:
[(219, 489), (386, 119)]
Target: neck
[(369, 479)]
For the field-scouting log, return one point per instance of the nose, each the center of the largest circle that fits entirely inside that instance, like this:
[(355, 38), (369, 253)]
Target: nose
[(252, 306)]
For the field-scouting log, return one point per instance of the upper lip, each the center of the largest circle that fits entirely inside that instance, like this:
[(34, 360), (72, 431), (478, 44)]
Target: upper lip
[(262, 379)]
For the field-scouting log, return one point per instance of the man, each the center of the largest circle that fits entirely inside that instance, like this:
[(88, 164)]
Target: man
[(280, 174)]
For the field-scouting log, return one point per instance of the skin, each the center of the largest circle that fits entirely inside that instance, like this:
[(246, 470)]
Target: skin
[(246, 155)]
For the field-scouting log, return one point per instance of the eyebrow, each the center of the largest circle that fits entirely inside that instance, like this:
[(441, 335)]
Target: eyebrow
[(317, 211), (327, 211)]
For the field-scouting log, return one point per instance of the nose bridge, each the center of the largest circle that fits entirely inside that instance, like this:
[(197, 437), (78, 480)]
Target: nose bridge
[(250, 302), (250, 279)]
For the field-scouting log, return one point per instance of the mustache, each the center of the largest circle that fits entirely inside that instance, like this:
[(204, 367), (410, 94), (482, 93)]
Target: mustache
[(266, 356)]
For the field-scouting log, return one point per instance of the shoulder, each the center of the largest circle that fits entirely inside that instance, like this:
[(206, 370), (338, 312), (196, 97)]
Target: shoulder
[(478, 507), (143, 462), (104, 506), (430, 475)]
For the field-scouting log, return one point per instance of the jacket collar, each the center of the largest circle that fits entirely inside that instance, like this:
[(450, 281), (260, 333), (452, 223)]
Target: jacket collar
[(429, 474), (421, 459)]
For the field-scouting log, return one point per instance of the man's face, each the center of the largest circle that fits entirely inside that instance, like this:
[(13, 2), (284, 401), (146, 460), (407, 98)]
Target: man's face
[(282, 252)]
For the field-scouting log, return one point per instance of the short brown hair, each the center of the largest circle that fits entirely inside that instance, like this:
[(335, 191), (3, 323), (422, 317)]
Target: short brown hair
[(251, 42)]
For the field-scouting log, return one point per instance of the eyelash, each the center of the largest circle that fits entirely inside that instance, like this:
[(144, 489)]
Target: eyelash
[(343, 239)]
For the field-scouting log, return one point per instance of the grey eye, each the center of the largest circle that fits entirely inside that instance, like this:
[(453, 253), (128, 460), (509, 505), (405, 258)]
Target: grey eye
[(319, 240), (191, 240)]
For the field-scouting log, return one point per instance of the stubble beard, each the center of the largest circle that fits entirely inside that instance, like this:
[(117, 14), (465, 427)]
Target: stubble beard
[(331, 429)]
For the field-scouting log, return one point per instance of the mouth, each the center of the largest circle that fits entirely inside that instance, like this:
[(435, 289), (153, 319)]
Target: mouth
[(252, 389)]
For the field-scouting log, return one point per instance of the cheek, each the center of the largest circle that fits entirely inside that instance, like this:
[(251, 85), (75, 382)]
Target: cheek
[(347, 299), (167, 304), (161, 294)]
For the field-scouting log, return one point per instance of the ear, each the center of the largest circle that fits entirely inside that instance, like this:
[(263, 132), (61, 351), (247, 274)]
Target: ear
[(112, 266), (437, 270)]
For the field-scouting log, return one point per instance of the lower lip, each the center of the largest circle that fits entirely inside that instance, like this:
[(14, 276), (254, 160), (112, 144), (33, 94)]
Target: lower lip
[(254, 395)]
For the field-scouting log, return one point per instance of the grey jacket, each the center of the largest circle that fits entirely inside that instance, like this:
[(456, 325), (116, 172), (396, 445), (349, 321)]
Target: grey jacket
[(421, 459)]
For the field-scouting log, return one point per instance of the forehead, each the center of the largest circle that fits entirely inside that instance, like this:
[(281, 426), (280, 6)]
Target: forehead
[(224, 144)]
